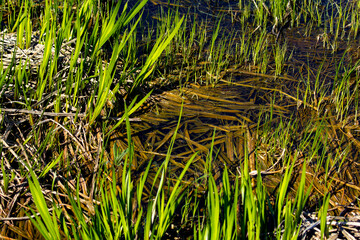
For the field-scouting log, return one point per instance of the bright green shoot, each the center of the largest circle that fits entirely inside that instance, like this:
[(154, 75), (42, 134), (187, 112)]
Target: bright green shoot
[(47, 224), (154, 55)]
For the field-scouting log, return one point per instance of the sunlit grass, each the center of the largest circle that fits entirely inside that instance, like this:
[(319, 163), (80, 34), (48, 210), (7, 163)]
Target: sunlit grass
[(92, 91)]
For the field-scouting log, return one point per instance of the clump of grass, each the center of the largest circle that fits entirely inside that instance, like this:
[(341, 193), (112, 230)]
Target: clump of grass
[(105, 191), (238, 210)]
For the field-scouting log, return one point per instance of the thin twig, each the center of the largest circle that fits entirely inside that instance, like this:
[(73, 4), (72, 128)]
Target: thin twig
[(52, 114)]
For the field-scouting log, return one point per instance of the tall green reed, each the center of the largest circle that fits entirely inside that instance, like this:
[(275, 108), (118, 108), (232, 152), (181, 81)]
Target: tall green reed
[(155, 54), (221, 216), (121, 212)]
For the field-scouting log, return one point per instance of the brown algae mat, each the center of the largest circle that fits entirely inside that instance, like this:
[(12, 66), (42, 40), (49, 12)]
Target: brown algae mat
[(228, 116)]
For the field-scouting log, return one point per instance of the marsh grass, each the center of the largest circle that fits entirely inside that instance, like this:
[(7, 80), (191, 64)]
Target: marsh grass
[(270, 146)]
